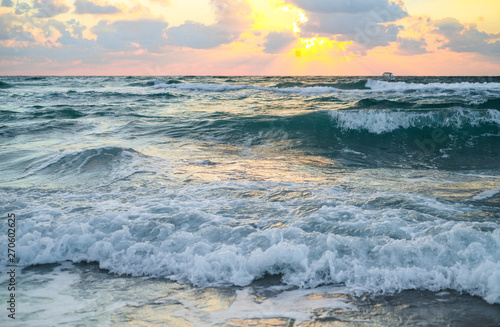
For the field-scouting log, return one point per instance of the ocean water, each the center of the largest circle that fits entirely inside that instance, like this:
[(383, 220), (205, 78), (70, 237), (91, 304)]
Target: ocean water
[(232, 201)]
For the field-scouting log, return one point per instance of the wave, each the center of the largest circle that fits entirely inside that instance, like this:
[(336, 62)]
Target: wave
[(66, 113), (207, 87), (444, 139), (127, 95), (371, 121), (289, 84), (385, 104), (110, 94), (362, 85), (487, 194), (359, 85), (194, 239), (449, 139), (211, 87), (377, 85), (155, 82), (338, 123), (373, 103), (73, 162), (4, 85), (35, 78), (8, 114), (442, 105), (89, 168), (164, 95), (288, 87), (385, 120), (324, 99), (53, 126), (491, 104)]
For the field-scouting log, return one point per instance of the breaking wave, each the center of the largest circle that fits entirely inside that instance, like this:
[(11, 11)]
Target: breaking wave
[(194, 239)]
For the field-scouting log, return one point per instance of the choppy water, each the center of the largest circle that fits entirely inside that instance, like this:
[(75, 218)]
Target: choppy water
[(373, 186)]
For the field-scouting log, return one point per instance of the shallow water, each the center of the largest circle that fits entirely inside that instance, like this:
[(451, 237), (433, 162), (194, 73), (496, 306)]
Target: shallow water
[(84, 295)]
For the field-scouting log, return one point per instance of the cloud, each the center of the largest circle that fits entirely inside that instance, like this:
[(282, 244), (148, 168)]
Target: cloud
[(120, 35), (366, 34), (369, 23), (59, 38), (231, 22), (410, 47), (344, 6), (199, 36), (11, 27), (278, 42), (449, 26), (65, 37), (22, 8), (88, 7), (49, 8), (77, 28), (467, 38), (7, 3)]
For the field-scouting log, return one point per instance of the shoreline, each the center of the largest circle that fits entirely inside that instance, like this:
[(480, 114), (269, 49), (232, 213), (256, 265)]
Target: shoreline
[(86, 295)]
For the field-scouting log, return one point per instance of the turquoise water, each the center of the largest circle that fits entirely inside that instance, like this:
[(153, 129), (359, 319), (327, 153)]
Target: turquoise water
[(345, 182)]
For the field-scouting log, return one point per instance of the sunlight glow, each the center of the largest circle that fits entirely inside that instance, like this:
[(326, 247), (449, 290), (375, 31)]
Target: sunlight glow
[(276, 16), (320, 47), (303, 18)]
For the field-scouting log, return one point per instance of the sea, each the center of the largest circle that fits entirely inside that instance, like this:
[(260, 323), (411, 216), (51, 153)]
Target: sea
[(249, 201)]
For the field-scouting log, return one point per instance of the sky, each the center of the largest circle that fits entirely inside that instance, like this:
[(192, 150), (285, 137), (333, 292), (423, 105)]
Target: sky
[(249, 37)]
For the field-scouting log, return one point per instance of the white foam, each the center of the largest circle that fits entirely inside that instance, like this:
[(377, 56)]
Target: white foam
[(486, 194), (374, 86), (386, 120), (190, 234), (204, 87), (208, 87), (377, 85)]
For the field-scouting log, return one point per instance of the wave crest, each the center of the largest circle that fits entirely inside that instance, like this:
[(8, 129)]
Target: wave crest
[(377, 85), (4, 85), (385, 120), (85, 167)]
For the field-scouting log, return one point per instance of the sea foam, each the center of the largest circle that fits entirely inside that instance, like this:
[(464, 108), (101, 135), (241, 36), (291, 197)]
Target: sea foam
[(404, 86), (179, 235), (386, 120)]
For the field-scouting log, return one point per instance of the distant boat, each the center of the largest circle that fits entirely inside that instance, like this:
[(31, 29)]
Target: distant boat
[(388, 76)]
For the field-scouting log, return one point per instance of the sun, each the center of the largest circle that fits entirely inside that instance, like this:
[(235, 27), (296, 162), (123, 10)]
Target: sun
[(278, 16)]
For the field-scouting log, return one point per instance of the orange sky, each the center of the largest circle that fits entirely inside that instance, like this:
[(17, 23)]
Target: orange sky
[(249, 37)]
